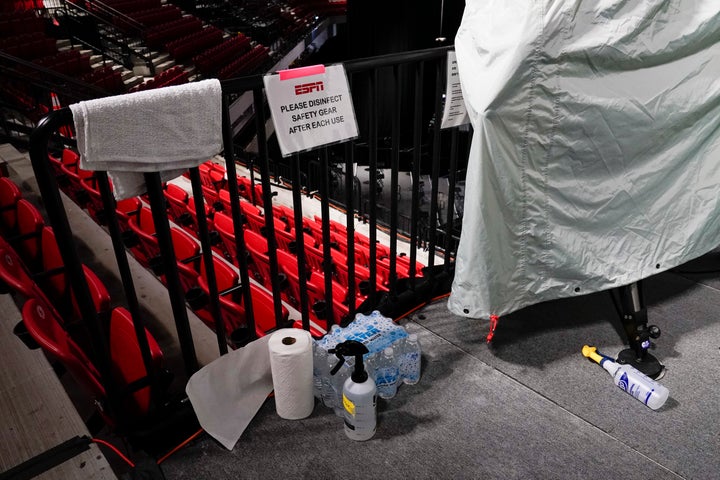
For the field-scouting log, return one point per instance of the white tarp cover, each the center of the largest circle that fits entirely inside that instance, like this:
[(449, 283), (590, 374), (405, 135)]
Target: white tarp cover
[(595, 159)]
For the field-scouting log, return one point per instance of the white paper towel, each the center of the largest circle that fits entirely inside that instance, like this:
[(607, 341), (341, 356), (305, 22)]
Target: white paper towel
[(291, 364), (227, 393)]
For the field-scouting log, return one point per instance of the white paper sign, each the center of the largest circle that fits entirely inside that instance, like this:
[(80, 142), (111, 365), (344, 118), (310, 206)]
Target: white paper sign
[(455, 113), (310, 107)]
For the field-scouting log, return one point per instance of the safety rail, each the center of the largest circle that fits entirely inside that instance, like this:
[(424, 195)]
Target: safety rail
[(420, 72)]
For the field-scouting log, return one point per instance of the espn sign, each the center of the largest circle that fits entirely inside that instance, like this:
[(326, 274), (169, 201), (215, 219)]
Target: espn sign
[(304, 88)]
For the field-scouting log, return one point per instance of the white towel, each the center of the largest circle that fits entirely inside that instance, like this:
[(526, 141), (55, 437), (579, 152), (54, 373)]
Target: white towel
[(166, 130)]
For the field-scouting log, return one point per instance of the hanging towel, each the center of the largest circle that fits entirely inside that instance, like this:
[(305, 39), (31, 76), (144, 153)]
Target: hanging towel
[(166, 130)]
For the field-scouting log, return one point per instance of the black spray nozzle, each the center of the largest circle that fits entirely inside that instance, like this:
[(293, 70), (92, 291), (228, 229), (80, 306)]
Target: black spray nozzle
[(351, 348)]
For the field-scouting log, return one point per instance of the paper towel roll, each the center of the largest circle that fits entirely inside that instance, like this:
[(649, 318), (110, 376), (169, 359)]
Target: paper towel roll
[(291, 365)]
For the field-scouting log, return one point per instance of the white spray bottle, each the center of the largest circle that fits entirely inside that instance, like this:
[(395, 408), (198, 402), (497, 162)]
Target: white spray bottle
[(359, 393), (630, 379)]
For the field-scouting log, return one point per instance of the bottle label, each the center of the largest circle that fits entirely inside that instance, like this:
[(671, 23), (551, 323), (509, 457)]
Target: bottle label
[(349, 406)]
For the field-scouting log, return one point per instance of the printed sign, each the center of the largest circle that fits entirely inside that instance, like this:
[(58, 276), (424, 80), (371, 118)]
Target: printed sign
[(455, 112), (310, 107)]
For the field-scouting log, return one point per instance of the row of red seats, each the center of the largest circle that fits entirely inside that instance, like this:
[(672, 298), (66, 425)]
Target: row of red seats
[(190, 45), (69, 62), (156, 16), (10, 6), (246, 64), (24, 100), (171, 29), (29, 46), (182, 211), (137, 223), (129, 6), (216, 194), (17, 23), (106, 78), (213, 59), (173, 76), (32, 268)]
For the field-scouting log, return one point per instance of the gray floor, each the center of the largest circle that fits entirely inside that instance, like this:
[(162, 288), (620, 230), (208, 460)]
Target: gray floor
[(527, 406)]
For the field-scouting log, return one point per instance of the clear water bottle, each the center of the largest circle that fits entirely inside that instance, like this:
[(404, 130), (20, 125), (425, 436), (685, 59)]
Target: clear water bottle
[(410, 361), (337, 382), (387, 374), (319, 369)]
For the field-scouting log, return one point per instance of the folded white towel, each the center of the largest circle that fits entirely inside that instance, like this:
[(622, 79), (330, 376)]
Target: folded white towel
[(166, 130)]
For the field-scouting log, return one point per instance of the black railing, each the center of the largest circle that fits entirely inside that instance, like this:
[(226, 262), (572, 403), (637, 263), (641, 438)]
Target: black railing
[(395, 297)]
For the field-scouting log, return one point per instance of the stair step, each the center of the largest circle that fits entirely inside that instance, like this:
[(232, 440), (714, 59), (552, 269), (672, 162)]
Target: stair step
[(164, 66), (63, 44), (132, 81)]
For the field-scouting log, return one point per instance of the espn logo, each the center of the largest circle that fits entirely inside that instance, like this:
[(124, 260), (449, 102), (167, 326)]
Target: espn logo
[(304, 88)]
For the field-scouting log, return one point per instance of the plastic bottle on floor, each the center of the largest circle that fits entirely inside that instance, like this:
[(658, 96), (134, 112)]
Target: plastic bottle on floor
[(387, 374), (631, 380), (410, 360)]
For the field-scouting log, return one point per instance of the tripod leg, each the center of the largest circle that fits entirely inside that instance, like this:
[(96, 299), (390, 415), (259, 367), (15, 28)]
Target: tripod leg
[(634, 319)]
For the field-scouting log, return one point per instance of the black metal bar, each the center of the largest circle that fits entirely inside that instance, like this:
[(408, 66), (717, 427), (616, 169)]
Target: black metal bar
[(299, 237), (258, 100), (126, 278), (361, 64), (327, 256), (372, 194), (240, 250), (350, 224), (208, 262), (452, 181), (172, 279), (71, 259), (417, 159), (432, 221), (395, 166)]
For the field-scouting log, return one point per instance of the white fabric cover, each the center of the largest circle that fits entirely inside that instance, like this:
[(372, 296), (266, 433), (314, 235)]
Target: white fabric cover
[(595, 159)]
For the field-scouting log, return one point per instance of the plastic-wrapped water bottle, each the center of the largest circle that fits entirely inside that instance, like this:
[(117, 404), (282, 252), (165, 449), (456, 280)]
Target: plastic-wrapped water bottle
[(319, 369), (337, 382), (410, 360), (387, 374)]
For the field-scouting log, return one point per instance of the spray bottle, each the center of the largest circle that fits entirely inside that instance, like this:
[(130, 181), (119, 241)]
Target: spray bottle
[(359, 399), (630, 379)]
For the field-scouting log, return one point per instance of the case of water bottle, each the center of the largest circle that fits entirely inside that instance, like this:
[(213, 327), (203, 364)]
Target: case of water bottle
[(393, 358)]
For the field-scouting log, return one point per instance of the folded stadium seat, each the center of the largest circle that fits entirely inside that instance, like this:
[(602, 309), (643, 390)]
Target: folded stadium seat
[(54, 282), (315, 289), (127, 362), (70, 181), (44, 325), (177, 199), (244, 187), (27, 243), (192, 225), (223, 224), (403, 265), (313, 252), (9, 196), (257, 223), (212, 198), (231, 301), (14, 276), (94, 204), (126, 209), (187, 250), (257, 246), (341, 271), (213, 175)]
